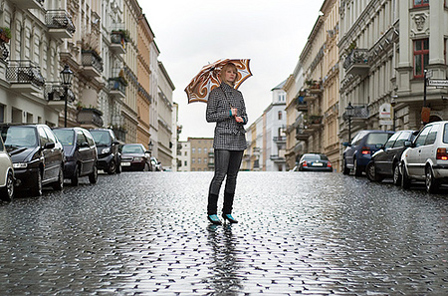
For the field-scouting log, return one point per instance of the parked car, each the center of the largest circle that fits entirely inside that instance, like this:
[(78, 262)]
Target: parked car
[(156, 166), (109, 158), (80, 152), (134, 157), (426, 158), (315, 162), (37, 156), (359, 152), (6, 174), (385, 163)]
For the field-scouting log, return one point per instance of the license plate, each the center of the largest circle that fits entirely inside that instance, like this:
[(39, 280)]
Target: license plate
[(317, 164), (125, 164)]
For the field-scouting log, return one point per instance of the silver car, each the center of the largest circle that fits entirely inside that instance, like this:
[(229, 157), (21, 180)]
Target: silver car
[(426, 159), (6, 174)]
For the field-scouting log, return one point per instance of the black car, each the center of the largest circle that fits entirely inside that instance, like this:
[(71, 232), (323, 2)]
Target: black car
[(134, 157), (315, 162), (37, 156), (385, 162), (359, 152), (109, 158), (80, 152)]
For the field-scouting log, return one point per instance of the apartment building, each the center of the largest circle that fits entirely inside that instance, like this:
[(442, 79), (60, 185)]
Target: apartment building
[(202, 154), (184, 156)]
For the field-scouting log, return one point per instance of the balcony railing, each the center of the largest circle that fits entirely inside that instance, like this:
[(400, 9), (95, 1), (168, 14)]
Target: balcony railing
[(117, 86), (24, 72), (301, 104), (90, 117), (60, 23), (92, 63), (118, 42), (314, 119), (357, 62), (28, 4), (280, 139)]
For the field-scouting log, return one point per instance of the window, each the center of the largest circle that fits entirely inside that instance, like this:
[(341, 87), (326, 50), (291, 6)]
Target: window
[(185, 163), (421, 138), (193, 160), (2, 113), (419, 3), (391, 140), (280, 113), (205, 150), (185, 153), (199, 160), (199, 150), (404, 136), (193, 150), (421, 57), (205, 159), (432, 135)]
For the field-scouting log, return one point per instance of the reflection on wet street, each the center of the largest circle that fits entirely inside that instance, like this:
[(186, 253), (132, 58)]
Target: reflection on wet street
[(299, 233)]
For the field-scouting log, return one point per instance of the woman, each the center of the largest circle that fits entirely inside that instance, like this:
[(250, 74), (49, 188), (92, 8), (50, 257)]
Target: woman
[(226, 107)]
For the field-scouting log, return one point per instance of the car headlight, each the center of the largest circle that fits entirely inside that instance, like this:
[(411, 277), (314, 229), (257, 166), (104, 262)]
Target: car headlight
[(105, 150), (138, 159), (20, 165)]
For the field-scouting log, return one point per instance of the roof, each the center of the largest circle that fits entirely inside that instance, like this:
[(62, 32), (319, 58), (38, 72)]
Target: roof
[(280, 86)]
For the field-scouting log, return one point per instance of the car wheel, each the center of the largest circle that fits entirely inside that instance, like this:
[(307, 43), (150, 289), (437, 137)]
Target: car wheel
[(358, 171), (37, 189), (93, 177), (75, 178), (119, 168), (59, 184), (432, 184), (7, 192), (112, 168), (345, 169), (370, 171), (405, 181), (397, 175)]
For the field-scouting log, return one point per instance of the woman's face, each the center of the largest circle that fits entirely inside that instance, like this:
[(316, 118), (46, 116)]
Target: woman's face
[(230, 75)]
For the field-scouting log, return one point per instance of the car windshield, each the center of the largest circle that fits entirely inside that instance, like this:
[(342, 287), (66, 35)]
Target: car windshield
[(132, 149), (377, 138), (102, 138), (20, 136), (445, 133), (309, 157), (66, 137)]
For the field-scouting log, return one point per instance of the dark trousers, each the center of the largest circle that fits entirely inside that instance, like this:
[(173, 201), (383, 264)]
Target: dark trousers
[(227, 163)]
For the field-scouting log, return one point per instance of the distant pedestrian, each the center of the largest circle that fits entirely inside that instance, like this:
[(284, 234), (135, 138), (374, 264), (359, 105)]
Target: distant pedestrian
[(226, 107)]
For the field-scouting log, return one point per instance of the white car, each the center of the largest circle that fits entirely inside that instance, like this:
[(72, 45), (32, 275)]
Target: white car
[(6, 174), (426, 159)]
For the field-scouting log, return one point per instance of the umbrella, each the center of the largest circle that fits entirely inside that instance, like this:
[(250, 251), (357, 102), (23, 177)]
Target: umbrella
[(207, 79)]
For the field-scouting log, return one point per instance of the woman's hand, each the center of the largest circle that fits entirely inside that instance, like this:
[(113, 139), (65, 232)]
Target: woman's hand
[(234, 111), (239, 119)]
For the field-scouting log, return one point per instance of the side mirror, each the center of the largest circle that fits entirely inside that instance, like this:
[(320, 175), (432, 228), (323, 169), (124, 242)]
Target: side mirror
[(379, 146), (84, 144), (49, 145), (346, 144), (116, 143), (407, 144)]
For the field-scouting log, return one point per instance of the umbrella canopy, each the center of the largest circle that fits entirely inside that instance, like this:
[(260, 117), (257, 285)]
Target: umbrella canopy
[(207, 79)]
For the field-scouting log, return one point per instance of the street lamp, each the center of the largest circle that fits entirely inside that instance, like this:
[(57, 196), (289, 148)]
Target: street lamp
[(150, 145), (66, 77), (349, 112)]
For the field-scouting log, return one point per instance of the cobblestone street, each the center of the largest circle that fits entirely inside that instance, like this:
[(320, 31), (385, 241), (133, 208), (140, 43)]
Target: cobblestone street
[(299, 233)]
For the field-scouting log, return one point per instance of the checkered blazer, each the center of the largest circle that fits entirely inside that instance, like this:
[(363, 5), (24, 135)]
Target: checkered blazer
[(229, 134)]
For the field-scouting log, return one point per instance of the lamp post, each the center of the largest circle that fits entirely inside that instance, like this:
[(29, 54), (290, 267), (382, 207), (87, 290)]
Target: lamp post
[(66, 77), (349, 112), (150, 145)]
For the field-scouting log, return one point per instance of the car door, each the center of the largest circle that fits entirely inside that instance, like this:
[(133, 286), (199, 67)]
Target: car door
[(48, 156), (92, 153), (428, 150), (83, 151), (414, 166), (350, 151), (383, 161)]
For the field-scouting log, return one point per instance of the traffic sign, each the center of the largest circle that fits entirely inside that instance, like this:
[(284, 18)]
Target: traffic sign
[(437, 82)]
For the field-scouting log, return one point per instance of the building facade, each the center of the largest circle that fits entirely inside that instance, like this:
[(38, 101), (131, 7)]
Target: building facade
[(202, 154), (184, 156)]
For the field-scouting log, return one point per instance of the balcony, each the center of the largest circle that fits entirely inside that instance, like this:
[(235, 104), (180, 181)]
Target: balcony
[(120, 133), (117, 86), (28, 4), (92, 64), (24, 76), (60, 24), (118, 42), (277, 159), (301, 104), (357, 62), (280, 140), (54, 93), (90, 117), (302, 134)]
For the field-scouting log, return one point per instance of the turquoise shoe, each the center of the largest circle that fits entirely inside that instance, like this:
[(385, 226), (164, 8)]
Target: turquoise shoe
[(229, 218), (214, 219)]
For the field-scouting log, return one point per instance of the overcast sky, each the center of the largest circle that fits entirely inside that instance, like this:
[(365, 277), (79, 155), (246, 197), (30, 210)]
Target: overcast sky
[(191, 34)]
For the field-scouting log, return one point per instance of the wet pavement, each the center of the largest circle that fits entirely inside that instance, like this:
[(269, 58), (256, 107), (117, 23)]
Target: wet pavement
[(299, 233)]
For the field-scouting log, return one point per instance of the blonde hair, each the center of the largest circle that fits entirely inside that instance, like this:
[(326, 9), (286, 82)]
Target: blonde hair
[(224, 69)]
